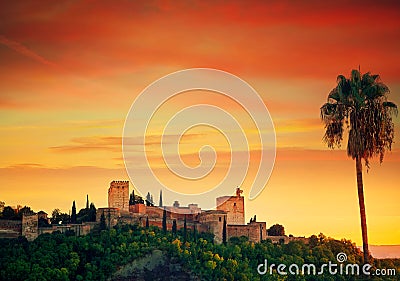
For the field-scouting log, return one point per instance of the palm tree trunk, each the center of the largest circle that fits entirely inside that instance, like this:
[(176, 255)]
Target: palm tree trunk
[(360, 190)]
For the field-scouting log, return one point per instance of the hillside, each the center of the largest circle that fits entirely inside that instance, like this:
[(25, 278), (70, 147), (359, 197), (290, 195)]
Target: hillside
[(129, 252)]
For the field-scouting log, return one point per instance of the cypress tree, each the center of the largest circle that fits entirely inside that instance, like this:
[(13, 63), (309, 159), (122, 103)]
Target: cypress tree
[(224, 232), (73, 213), (160, 204), (184, 230), (174, 227), (147, 222), (164, 221), (102, 222), (92, 212), (87, 201)]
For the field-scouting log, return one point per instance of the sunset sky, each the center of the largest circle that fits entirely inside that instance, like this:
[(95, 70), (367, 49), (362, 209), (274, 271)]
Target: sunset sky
[(70, 70)]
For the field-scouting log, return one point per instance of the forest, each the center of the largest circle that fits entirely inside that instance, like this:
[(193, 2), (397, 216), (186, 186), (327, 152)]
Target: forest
[(103, 253)]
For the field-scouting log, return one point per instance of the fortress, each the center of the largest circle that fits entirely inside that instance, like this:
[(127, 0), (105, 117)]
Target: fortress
[(126, 208)]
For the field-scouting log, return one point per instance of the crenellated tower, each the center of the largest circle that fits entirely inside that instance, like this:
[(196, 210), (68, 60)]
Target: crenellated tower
[(118, 195)]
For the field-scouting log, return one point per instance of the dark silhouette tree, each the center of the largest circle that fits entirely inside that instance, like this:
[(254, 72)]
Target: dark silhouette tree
[(160, 203), (73, 213), (276, 230), (224, 232), (194, 232), (24, 211), (174, 227), (148, 199), (87, 201), (184, 230), (360, 104), (147, 222), (132, 198), (103, 225), (8, 213), (92, 212), (164, 221)]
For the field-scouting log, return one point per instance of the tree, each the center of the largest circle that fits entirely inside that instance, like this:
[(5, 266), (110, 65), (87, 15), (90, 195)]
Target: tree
[(164, 221), (42, 222), (148, 199), (132, 198), (87, 201), (224, 232), (360, 103), (25, 211), (194, 232), (160, 203), (92, 212), (57, 217), (184, 230), (8, 213), (102, 221), (276, 230), (73, 213), (147, 222), (174, 227)]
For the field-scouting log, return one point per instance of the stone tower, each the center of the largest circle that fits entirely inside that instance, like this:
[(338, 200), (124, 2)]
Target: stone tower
[(118, 195), (30, 226), (233, 206)]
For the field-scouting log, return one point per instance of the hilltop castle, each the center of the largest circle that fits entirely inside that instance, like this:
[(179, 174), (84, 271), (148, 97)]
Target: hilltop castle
[(230, 209), (125, 207)]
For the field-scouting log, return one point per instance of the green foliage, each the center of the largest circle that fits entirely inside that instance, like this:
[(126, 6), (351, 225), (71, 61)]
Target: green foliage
[(86, 214), (98, 255), (103, 225), (164, 221), (360, 104), (73, 213), (276, 230), (224, 232), (8, 213), (58, 217), (174, 228)]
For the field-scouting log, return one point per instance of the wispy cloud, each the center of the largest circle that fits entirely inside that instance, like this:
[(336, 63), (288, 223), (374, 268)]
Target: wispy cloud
[(26, 165), (23, 50), (90, 144), (114, 143)]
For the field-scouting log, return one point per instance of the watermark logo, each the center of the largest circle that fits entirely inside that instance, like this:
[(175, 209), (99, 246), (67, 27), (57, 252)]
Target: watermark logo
[(136, 136), (330, 268), (341, 257)]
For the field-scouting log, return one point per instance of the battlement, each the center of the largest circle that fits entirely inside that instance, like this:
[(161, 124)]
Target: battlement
[(119, 182)]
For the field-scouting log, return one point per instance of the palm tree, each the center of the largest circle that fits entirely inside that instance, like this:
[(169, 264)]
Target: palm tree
[(360, 104)]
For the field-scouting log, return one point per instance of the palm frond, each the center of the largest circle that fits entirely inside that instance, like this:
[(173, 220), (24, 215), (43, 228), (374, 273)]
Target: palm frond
[(361, 103)]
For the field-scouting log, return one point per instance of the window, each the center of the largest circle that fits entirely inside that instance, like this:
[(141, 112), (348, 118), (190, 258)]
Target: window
[(234, 204), (219, 218)]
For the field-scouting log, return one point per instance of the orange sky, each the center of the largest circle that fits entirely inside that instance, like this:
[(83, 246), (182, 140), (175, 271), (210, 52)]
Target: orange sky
[(70, 70)]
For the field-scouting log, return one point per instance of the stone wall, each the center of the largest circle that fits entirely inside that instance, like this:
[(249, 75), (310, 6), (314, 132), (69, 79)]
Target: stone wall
[(286, 239), (213, 221), (254, 231), (79, 229), (111, 216), (10, 228)]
